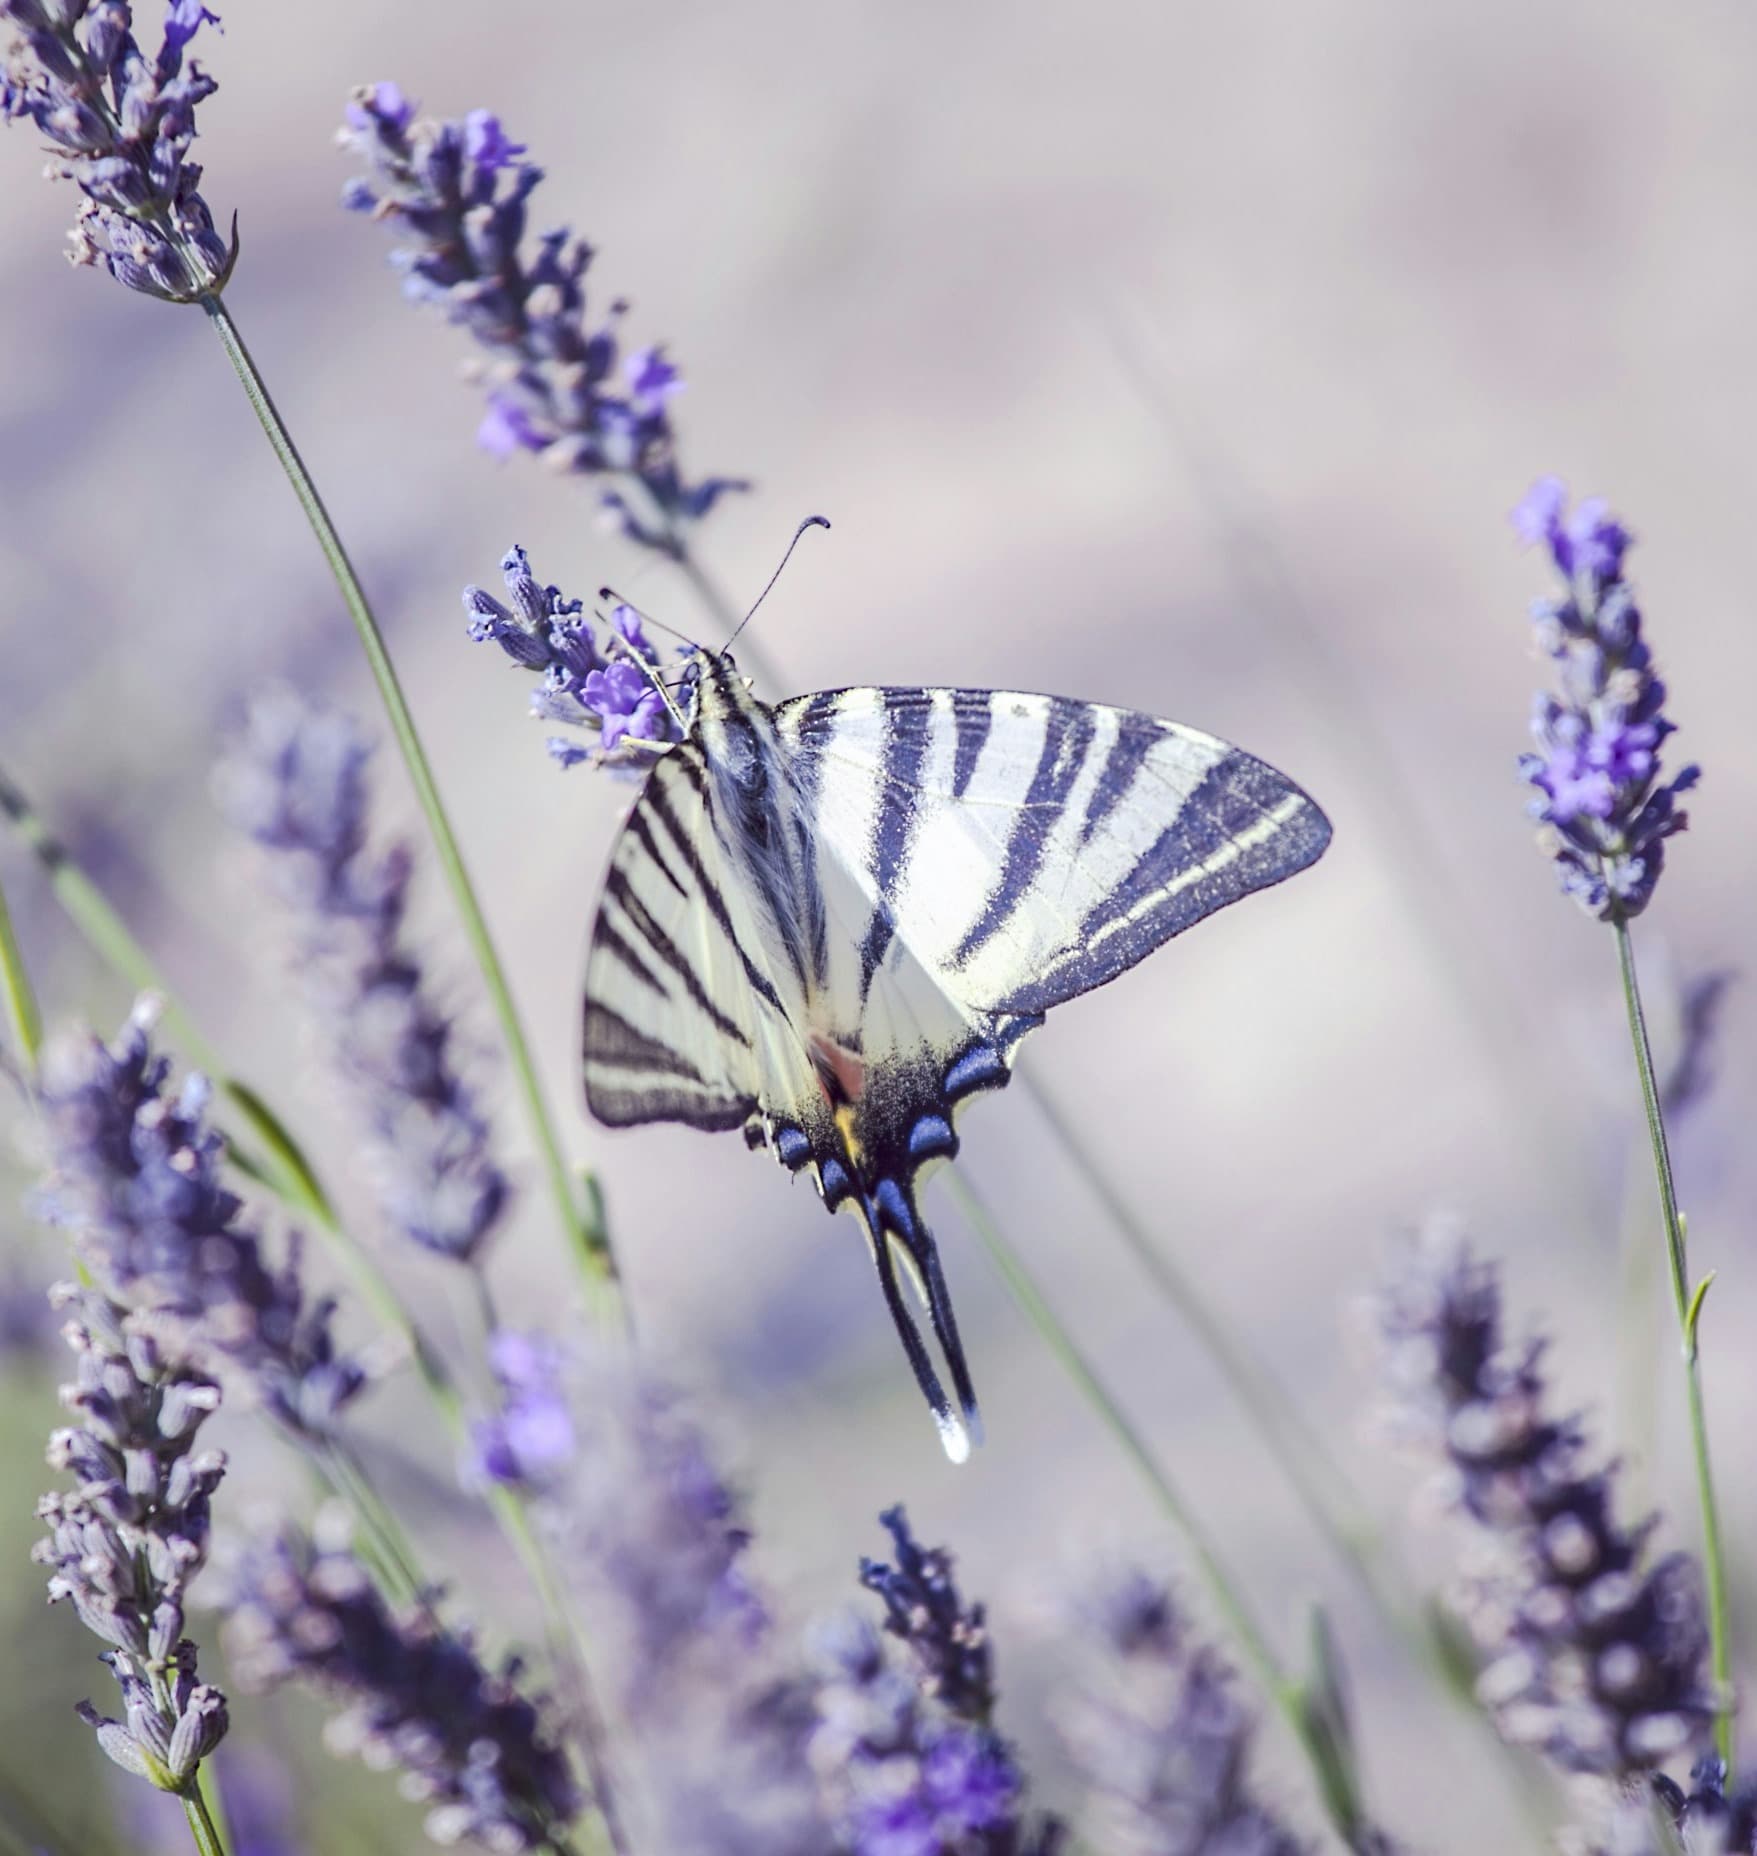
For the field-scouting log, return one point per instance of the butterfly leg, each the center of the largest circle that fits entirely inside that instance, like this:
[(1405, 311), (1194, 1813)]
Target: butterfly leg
[(952, 1434)]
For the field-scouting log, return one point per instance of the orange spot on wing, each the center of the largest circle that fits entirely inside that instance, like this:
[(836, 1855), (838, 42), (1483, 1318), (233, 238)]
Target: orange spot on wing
[(840, 1071)]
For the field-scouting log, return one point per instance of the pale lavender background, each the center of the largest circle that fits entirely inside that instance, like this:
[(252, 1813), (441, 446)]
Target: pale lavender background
[(1182, 356)]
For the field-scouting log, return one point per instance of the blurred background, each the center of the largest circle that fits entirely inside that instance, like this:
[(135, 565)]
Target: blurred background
[(1184, 357)]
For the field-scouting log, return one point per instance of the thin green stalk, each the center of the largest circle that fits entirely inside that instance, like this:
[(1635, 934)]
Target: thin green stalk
[(21, 998), (208, 1782), (588, 1238), (1687, 1302), (1335, 1782), (208, 1841)]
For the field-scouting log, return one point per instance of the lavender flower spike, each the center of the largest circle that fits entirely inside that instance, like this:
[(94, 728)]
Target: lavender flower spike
[(458, 193), (119, 125), (470, 1745), (296, 783), (137, 1181), (598, 688), (908, 1757), (126, 1543), (1605, 814), (1597, 1655), (1160, 1739)]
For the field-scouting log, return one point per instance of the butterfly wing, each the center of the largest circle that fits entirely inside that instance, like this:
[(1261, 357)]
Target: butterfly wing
[(681, 1015), (1029, 848)]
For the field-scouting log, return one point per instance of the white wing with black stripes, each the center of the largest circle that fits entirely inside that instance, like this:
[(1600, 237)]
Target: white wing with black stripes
[(832, 922)]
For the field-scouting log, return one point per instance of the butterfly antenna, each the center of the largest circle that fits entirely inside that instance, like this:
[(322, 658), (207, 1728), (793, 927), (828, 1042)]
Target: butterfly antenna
[(646, 618), (809, 522)]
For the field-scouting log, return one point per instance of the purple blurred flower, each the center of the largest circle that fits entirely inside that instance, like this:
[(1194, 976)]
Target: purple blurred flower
[(120, 125), (1161, 1742), (126, 1543), (416, 1697), (1598, 1655), (296, 783), (459, 194), (532, 1434), (1596, 769), (590, 685), (137, 1183)]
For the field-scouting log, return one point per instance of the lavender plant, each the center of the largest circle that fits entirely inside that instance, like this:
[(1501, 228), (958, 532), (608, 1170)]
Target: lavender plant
[(1606, 818), (1160, 1740), (119, 125), (296, 783), (1597, 1653), (137, 1185), (125, 1544), (457, 194), (470, 1745)]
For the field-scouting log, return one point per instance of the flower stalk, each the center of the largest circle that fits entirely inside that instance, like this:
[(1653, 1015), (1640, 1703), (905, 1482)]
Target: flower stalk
[(1687, 1303)]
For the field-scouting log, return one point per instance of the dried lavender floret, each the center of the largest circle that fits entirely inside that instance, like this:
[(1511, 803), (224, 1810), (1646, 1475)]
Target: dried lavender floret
[(948, 1641), (136, 1180), (119, 125), (458, 195), (1598, 1653), (125, 1543), (1604, 811), (296, 782)]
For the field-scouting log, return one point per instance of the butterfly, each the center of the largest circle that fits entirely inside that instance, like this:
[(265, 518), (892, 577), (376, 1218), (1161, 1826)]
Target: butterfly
[(830, 923)]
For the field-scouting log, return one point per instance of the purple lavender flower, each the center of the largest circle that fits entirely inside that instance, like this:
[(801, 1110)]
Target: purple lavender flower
[(923, 1609), (910, 1763), (459, 193), (1605, 814), (119, 125), (296, 782), (1597, 1656), (125, 1544), (470, 1745), (597, 687), (137, 1182), (532, 1434), (1160, 1740)]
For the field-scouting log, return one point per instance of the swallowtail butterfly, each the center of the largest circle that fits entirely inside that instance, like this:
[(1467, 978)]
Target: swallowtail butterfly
[(831, 922)]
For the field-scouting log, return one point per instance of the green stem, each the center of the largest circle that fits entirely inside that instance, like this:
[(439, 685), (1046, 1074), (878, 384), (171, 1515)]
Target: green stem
[(208, 1841), (1336, 1788), (589, 1239), (1687, 1303), (21, 999), (207, 1781)]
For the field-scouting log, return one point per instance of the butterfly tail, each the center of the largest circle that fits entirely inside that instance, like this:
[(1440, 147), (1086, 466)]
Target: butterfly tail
[(899, 1229)]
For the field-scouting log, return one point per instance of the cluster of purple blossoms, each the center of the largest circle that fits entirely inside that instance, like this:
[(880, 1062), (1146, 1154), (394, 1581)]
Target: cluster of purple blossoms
[(609, 689), (1161, 1741), (126, 1542), (469, 1744), (296, 782), (459, 193), (1606, 815), (1597, 1656), (136, 1181), (531, 1434), (120, 125), (910, 1761)]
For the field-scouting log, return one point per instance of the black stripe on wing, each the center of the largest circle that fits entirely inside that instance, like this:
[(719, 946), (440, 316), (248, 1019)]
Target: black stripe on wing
[(909, 717), (1067, 740), (670, 1087), (1243, 828)]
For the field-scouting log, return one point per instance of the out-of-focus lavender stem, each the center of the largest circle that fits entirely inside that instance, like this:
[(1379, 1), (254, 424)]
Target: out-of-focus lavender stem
[(590, 1241), (21, 998), (1688, 1305)]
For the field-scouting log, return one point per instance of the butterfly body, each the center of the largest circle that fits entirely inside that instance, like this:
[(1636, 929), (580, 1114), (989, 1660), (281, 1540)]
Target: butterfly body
[(830, 922)]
